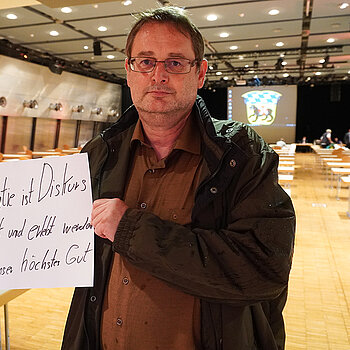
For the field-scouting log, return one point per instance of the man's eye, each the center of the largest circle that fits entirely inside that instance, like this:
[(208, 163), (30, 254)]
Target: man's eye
[(146, 62), (175, 63)]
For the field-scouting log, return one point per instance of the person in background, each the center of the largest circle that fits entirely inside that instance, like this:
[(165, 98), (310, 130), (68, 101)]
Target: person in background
[(194, 236), (347, 139), (281, 143), (326, 138)]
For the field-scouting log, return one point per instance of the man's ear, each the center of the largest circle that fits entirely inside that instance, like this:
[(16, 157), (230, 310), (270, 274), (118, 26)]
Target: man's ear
[(202, 70)]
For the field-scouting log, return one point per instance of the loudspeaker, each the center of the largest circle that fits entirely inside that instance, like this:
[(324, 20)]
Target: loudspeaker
[(335, 93), (97, 48)]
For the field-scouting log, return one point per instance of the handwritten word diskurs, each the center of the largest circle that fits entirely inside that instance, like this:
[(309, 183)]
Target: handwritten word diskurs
[(49, 186)]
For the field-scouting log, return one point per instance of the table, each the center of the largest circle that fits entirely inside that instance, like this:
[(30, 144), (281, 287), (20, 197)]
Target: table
[(284, 179), (339, 172), (285, 169), (303, 147), (6, 295), (346, 180)]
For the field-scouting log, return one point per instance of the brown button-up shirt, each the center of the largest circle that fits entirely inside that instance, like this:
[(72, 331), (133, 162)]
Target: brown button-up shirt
[(141, 312)]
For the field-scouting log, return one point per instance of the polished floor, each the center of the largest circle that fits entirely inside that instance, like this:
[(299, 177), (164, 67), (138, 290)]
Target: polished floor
[(318, 310)]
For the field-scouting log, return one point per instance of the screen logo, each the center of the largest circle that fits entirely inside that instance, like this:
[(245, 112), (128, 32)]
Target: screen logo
[(261, 106)]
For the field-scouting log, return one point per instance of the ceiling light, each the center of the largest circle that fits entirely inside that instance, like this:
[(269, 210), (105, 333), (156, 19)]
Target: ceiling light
[(224, 35), (246, 66), (127, 2), (218, 73), (96, 110), (66, 10), (86, 47), (95, 6), (240, 57), (280, 43), (277, 30), (343, 6), (32, 35), (78, 109), (241, 15), (318, 73), (225, 78), (54, 33), (102, 28), (31, 104), (285, 75), (330, 40), (233, 47), (322, 60), (284, 63), (11, 16), (3, 101), (212, 17), (110, 57), (348, 71), (274, 12), (251, 71), (56, 106)]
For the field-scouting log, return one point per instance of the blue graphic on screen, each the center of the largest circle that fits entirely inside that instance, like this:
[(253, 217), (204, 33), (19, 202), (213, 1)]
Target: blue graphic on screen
[(261, 106)]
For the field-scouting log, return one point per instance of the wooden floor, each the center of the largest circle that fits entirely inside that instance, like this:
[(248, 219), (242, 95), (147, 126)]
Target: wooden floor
[(318, 309)]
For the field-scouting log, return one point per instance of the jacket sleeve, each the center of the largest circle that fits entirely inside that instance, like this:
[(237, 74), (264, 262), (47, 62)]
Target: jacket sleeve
[(245, 262)]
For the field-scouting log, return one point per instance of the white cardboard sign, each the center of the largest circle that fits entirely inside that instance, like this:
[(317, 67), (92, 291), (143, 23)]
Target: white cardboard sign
[(46, 239)]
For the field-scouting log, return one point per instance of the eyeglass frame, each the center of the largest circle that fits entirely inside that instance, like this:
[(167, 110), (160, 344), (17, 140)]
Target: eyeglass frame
[(165, 67)]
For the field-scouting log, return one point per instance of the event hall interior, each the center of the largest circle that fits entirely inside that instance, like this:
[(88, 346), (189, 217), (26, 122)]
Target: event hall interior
[(282, 67)]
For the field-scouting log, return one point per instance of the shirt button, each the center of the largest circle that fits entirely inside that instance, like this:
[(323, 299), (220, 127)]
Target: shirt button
[(119, 321), (143, 205), (92, 298), (214, 190), (125, 280), (232, 163)]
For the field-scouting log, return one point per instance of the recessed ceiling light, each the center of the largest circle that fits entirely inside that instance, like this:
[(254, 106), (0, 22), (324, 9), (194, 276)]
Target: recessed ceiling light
[(274, 12), (285, 75), (110, 57), (318, 73), (218, 73), (11, 16), (246, 66), (102, 28), (330, 40), (212, 17), (95, 6), (282, 55), (233, 47), (86, 47), (251, 71), (280, 43), (54, 33), (224, 35), (343, 6), (240, 57), (284, 63), (322, 60), (257, 45), (66, 10), (348, 71), (32, 35), (225, 78), (127, 2), (241, 14)]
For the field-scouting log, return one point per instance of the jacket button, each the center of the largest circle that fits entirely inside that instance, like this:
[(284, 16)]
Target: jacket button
[(143, 205), (232, 163), (119, 321), (93, 298), (125, 280), (214, 190), (229, 130)]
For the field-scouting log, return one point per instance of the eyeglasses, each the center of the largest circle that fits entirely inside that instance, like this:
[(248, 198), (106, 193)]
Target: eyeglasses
[(171, 65)]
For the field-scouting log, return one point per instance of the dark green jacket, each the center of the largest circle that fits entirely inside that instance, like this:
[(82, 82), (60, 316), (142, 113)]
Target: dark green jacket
[(235, 256)]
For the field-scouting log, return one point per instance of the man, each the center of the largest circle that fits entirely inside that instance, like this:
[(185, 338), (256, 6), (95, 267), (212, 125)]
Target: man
[(194, 236), (326, 138), (347, 139)]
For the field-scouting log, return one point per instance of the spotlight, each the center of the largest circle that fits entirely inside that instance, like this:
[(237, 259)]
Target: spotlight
[(78, 109), (31, 104), (3, 101), (56, 67), (97, 48), (96, 110), (56, 106), (113, 112)]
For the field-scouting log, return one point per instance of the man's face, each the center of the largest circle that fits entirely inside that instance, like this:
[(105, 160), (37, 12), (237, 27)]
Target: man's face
[(169, 97)]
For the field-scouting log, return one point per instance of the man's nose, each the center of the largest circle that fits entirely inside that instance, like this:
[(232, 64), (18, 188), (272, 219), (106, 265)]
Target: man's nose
[(159, 73)]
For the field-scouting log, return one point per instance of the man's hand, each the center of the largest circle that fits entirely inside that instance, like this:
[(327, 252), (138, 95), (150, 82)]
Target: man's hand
[(106, 215)]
